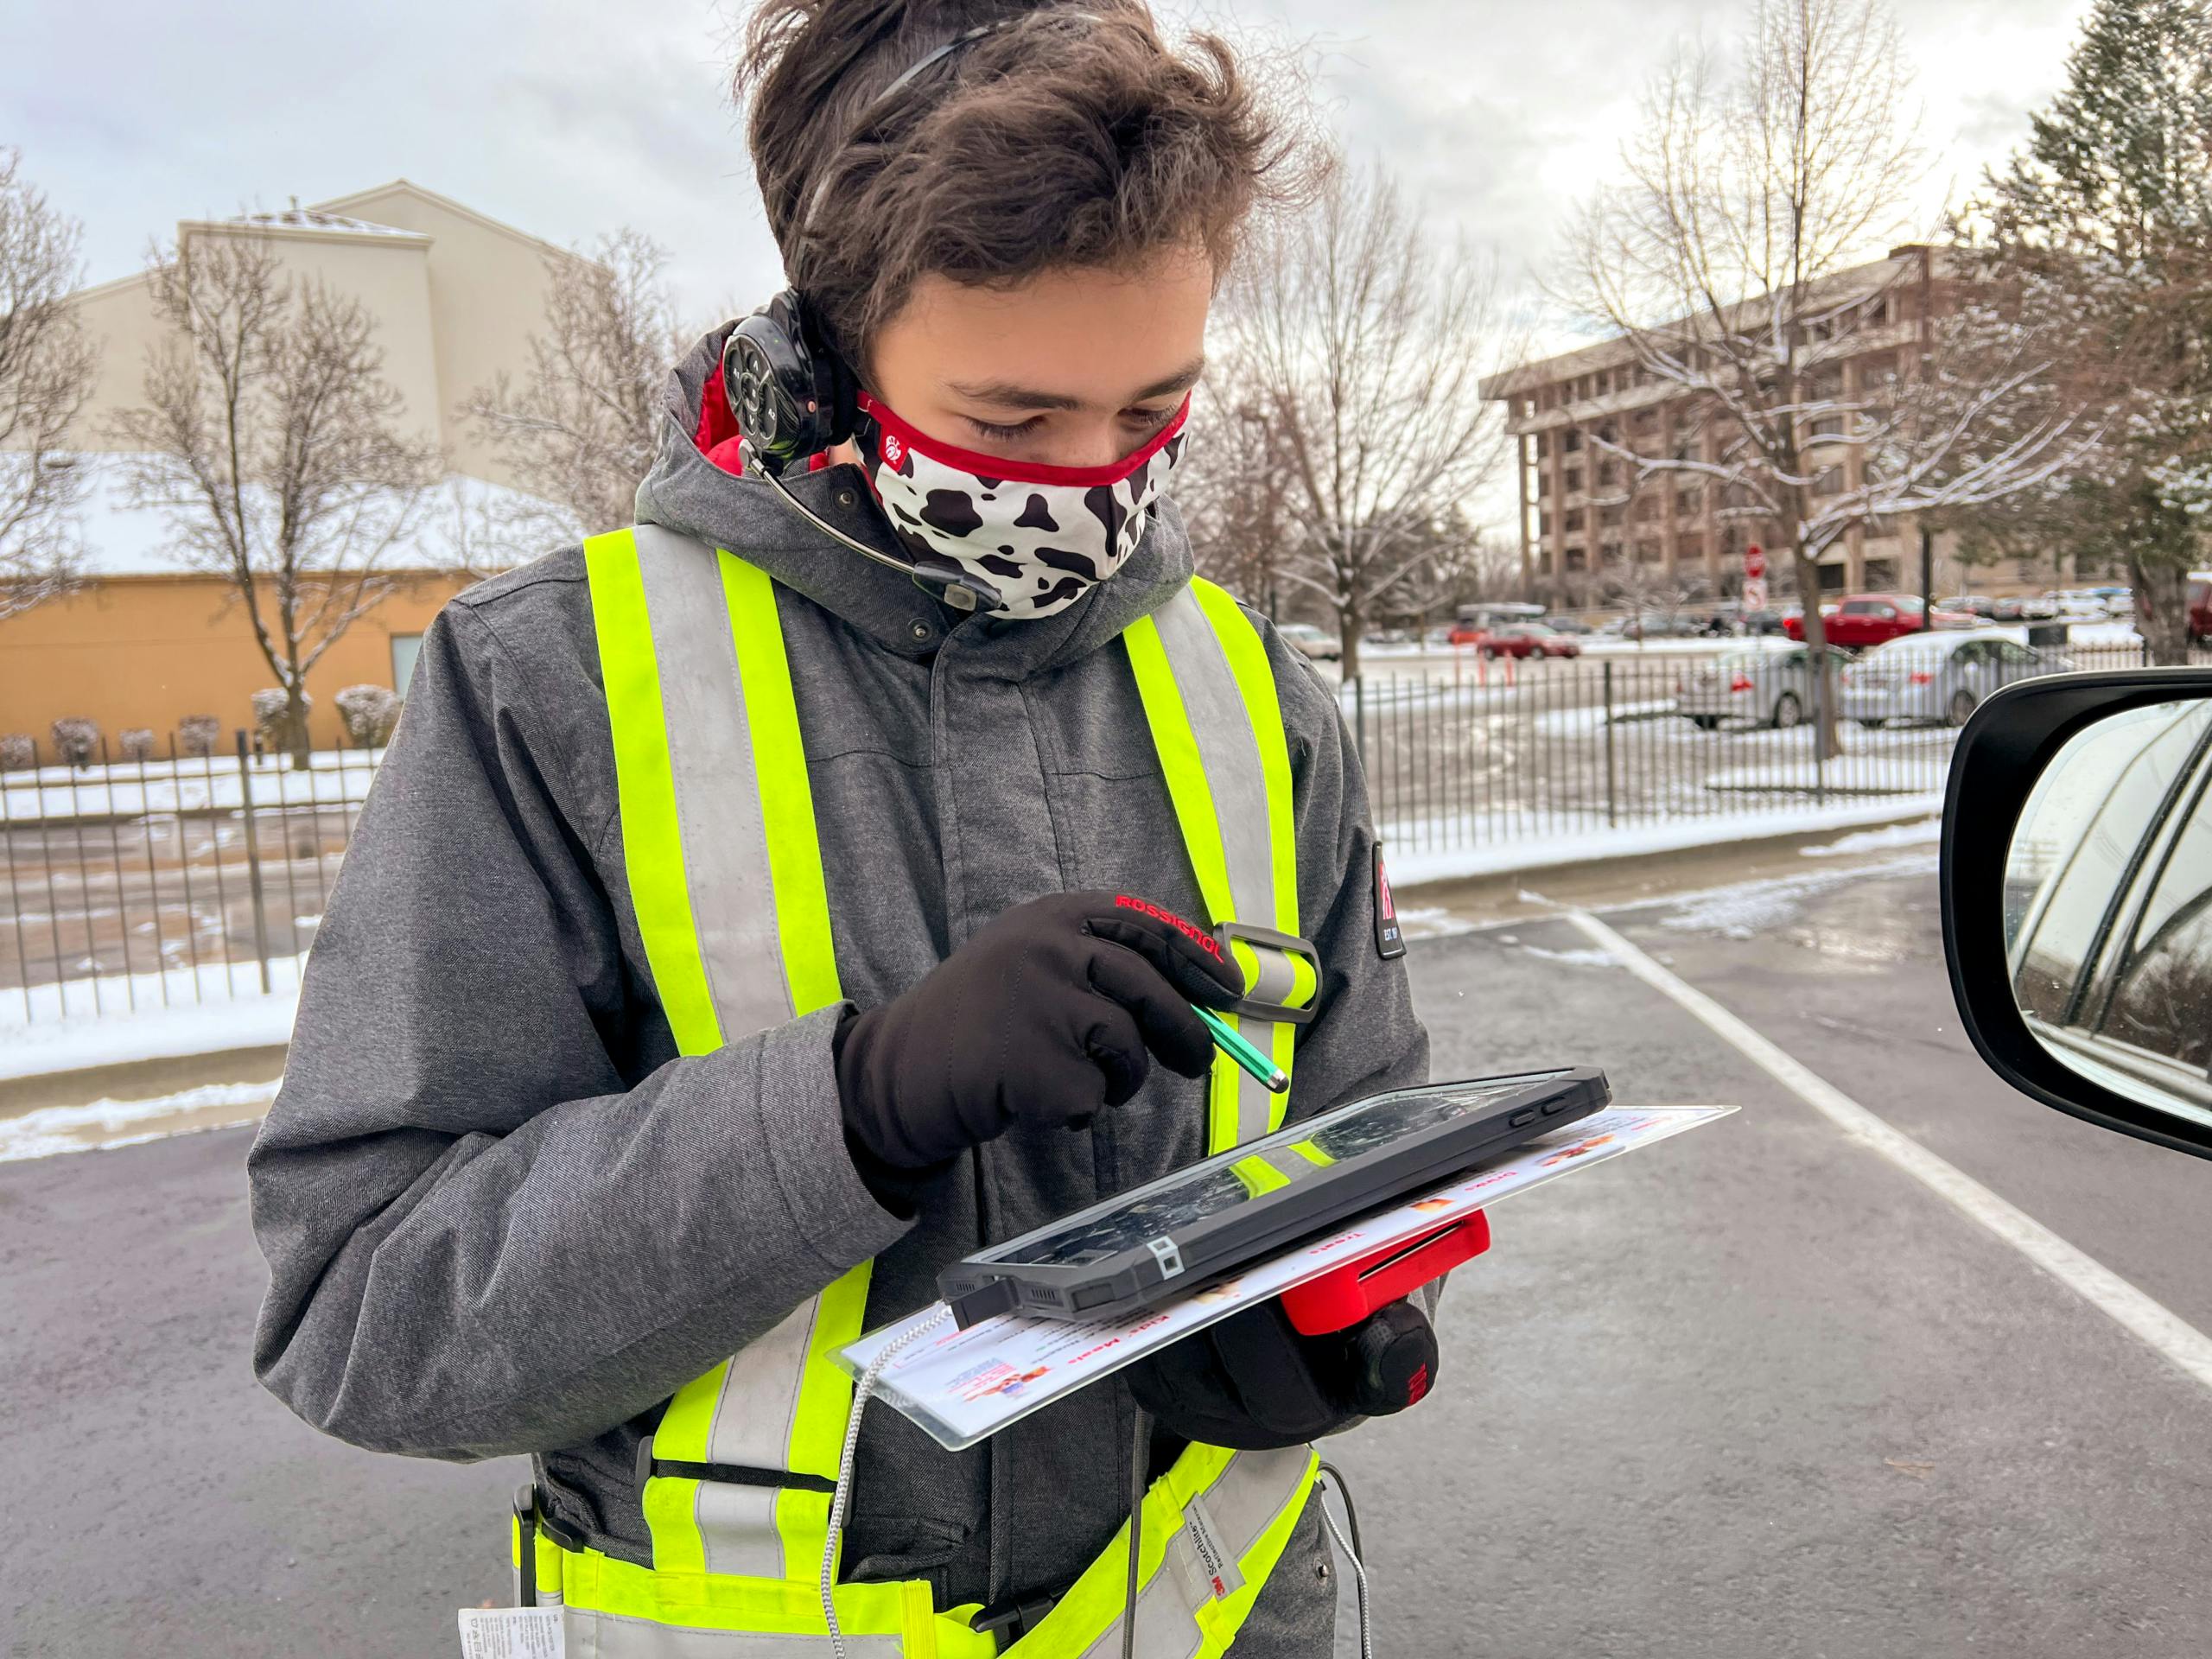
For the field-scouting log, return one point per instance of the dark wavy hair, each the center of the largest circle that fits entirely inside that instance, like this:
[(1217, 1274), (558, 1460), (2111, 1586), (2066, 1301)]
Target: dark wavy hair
[(1074, 137)]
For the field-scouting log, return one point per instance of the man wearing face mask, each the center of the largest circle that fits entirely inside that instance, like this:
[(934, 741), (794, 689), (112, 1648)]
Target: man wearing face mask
[(763, 907)]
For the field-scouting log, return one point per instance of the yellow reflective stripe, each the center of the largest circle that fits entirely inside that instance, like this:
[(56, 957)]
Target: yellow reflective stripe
[(681, 1436), (1094, 1602), (786, 799), (1180, 764), (594, 1582), (817, 1437), (1303, 983), (1311, 1153), (652, 847), (1258, 1175), (1221, 1620), (671, 1507), (1247, 660)]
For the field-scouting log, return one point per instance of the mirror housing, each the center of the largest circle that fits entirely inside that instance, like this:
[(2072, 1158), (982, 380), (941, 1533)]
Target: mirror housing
[(2004, 749)]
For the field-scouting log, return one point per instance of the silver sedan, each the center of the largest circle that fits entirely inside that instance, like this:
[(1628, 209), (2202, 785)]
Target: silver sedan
[(1766, 685), (1942, 677)]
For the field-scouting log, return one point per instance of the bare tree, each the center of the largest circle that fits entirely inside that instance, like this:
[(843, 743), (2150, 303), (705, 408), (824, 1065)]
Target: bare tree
[(1361, 340), (580, 429), (45, 374), (1822, 394), (1232, 488), (273, 441)]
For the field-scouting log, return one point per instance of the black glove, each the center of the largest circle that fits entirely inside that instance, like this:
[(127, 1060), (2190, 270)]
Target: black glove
[(1046, 1014), (1253, 1382)]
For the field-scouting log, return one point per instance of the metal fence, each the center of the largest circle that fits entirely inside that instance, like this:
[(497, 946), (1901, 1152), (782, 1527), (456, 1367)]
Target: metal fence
[(176, 879), (1465, 753), (166, 878)]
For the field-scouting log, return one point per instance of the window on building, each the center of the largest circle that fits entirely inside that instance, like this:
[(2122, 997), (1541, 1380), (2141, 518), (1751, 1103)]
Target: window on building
[(1571, 478), (1832, 577), (1690, 549), (1543, 485), (1880, 573), (1574, 558), (1571, 440), (1543, 445), (1574, 519), (1609, 516), (406, 647), (1609, 472), (1543, 524)]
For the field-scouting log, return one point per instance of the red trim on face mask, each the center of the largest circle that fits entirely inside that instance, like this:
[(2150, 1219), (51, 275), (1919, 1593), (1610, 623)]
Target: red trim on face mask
[(1010, 471)]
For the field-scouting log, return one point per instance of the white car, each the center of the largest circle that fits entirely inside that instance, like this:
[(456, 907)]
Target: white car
[(1322, 647)]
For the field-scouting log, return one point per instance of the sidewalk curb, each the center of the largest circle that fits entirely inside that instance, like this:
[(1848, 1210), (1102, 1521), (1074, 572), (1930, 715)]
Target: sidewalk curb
[(1716, 856), (140, 1079)]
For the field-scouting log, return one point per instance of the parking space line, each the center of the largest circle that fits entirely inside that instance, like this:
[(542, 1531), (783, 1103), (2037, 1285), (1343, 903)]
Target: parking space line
[(2089, 1278)]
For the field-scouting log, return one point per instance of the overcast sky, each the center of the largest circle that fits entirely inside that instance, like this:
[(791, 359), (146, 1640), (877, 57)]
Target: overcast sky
[(568, 118)]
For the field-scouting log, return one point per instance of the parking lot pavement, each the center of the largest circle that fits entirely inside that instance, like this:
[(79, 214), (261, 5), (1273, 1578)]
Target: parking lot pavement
[(1755, 1392), (1749, 1392)]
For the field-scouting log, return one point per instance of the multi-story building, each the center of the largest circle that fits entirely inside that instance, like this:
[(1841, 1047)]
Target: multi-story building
[(1589, 531), (454, 298)]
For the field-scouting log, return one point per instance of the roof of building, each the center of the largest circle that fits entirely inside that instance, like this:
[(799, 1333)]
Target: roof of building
[(315, 218)]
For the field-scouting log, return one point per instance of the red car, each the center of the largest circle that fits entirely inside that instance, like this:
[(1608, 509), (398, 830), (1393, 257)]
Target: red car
[(1876, 618), (1467, 633), (1528, 639)]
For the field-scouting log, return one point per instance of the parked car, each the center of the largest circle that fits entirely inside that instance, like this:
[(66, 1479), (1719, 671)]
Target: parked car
[(2081, 604), (2038, 607), (1466, 633), (1528, 639), (1865, 619), (1767, 684), (1436, 639), (1970, 605), (2118, 601), (1937, 677), (1762, 623), (1314, 642), (1574, 624), (1390, 637)]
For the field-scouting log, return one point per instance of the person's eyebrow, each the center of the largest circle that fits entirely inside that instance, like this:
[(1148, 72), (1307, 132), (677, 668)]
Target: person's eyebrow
[(1005, 394)]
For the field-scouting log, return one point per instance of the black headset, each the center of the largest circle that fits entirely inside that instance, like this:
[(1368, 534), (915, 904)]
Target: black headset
[(794, 396)]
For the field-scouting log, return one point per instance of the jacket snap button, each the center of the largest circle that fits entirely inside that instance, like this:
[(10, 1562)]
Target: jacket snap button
[(1321, 1571), (846, 498), (919, 628)]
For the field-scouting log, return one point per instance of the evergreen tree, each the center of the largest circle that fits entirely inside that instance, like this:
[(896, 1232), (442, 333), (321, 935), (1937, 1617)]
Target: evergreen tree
[(2104, 221)]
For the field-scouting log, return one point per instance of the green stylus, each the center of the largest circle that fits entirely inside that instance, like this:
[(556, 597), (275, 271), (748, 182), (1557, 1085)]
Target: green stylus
[(1257, 1064)]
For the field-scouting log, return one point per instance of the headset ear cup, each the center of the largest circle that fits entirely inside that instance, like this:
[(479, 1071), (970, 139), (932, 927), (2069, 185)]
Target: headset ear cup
[(775, 383)]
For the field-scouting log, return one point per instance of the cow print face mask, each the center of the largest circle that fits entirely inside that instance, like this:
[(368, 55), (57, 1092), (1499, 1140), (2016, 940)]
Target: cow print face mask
[(1042, 535)]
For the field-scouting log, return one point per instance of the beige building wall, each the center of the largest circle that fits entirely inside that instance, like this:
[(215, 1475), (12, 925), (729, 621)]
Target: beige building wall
[(455, 298)]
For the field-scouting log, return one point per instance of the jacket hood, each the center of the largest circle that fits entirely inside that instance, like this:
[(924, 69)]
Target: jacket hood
[(691, 494)]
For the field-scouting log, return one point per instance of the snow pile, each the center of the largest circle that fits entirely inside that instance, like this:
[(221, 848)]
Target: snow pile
[(59, 1031)]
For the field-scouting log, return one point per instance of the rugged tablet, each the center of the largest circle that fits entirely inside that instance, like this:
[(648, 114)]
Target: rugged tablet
[(1210, 1218)]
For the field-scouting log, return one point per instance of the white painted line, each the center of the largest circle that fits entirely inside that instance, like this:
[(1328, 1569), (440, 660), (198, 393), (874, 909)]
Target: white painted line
[(2088, 1278)]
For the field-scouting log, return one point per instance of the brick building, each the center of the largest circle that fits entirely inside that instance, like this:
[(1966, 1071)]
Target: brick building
[(1580, 542)]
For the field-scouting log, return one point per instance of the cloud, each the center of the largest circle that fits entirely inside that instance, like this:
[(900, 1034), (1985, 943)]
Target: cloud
[(569, 117)]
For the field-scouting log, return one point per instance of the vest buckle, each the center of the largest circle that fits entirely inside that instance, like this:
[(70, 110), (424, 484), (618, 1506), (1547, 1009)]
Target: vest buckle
[(1006, 1622), (1266, 941)]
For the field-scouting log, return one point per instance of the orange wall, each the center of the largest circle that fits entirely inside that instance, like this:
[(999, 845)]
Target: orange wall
[(147, 651)]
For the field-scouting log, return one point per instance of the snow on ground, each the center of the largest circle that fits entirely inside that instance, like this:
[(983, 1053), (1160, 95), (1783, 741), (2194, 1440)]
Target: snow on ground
[(1750, 908), (1582, 958), (1431, 923), (62, 794), (1571, 723), (102, 1123), (1512, 846), (1874, 840), (59, 1031)]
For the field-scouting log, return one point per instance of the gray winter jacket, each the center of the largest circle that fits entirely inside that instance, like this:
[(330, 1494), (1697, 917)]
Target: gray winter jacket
[(501, 1214)]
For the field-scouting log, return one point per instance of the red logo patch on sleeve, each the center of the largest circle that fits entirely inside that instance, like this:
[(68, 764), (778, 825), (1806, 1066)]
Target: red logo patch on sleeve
[(1389, 943)]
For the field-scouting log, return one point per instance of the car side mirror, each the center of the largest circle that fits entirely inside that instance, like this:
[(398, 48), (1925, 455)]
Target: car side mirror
[(2077, 896)]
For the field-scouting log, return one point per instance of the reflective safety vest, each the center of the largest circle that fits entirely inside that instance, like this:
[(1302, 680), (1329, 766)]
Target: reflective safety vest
[(718, 839)]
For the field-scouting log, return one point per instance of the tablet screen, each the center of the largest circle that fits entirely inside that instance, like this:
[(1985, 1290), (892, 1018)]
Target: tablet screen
[(1176, 1200)]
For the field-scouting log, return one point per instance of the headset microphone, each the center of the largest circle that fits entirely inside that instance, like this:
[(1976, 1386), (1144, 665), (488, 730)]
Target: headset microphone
[(793, 398)]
